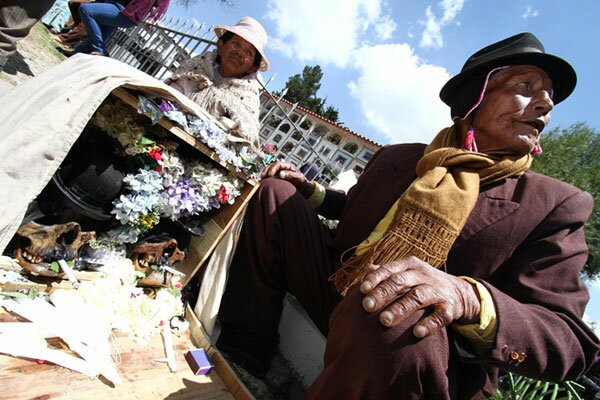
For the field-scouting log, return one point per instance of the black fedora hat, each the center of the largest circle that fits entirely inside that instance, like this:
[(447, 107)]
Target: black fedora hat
[(520, 49)]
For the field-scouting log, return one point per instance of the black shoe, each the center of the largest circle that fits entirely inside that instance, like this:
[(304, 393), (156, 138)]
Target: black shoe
[(245, 350)]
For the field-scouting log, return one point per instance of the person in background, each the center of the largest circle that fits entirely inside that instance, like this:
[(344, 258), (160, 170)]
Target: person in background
[(16, 20), (75, 31), (102, 18), (224, 81), (450, 261)]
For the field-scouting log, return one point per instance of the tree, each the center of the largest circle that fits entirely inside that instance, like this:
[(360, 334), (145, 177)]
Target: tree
[(302, 89), (573, 155)]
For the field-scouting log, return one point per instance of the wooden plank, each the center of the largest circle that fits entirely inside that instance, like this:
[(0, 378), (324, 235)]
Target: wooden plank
[(201, 248), (229, 377)]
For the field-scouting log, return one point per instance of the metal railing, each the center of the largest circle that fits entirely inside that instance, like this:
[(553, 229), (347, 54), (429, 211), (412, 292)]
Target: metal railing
[(159, 49)]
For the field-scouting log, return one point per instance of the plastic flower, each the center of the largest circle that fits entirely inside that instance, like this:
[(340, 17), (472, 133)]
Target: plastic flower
[(155, 154), (223, 196), (165, 106)]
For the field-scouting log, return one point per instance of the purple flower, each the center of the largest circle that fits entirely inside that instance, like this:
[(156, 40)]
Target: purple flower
[(166, 106)]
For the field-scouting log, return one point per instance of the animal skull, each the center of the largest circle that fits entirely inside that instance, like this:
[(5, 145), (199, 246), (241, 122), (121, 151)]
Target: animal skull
[(151, 258), (42, 244)]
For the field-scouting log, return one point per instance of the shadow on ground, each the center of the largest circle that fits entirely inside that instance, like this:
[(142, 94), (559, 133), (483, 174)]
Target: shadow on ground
[(16, 63)]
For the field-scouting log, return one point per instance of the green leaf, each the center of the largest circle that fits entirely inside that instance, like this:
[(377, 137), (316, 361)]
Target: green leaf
[(54, 266), (147, 141), (33, 291)]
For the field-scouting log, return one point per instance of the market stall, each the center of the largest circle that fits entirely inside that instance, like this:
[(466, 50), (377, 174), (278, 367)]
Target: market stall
[(99, 244)]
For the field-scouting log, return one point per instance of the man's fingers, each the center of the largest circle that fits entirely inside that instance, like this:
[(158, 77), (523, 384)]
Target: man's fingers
[(440, 318), (415, 299), (278, 168), (379, 273), (396, 284)]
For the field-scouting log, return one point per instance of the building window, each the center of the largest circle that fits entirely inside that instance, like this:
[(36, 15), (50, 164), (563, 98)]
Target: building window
[(319, 131), (365, 155), (358, 169), (335, 138), (351, 147), (288, 147), (284, 128), (325, 151), (277, 138), (273, 121), (306, 124), (297, 135), (302, 153), (340, 160)]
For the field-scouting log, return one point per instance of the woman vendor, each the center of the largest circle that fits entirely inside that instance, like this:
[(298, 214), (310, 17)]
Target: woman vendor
[(466, 264), (224, 81)]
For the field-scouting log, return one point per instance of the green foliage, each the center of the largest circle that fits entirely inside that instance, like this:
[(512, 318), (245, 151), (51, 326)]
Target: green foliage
[(521, 388), (302, 89), (573, 155)]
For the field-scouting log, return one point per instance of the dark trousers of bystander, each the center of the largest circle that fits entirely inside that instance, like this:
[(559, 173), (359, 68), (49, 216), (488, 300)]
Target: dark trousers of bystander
[(17, 17)]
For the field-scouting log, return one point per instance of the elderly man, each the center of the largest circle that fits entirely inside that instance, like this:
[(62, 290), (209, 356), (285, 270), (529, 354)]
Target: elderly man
[(456, 260), (224, 81)]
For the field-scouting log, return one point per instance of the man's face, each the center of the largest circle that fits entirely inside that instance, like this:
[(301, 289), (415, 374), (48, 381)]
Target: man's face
[(515, 109), (237, 57)]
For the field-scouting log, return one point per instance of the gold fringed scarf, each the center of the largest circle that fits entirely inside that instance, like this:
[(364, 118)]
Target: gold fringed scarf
[(434, 209)]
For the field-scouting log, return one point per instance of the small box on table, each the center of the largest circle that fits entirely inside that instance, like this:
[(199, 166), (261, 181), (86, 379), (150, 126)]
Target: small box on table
[(199, 362)]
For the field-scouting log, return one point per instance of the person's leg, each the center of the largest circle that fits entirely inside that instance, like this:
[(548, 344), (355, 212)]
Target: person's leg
[(16, 20), (365, 360), (282, 248), (100, 19)]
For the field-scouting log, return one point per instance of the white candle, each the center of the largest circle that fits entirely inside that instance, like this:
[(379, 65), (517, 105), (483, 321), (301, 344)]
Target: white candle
[(169, 349), (69, 273)]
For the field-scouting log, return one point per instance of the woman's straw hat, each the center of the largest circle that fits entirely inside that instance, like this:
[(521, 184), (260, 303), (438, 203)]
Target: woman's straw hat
[(251, 31)]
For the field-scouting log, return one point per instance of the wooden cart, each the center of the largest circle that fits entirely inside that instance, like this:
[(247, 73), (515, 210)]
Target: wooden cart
[(144, 377)]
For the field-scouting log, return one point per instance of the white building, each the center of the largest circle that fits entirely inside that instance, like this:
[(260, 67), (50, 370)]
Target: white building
[(303, 137)]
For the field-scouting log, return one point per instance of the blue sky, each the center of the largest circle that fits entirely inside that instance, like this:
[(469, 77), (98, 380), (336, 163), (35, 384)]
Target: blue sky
[(384, 62)]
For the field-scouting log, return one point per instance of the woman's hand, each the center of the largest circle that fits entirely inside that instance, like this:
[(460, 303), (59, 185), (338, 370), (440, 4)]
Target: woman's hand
[(409, 285), (290, 173)]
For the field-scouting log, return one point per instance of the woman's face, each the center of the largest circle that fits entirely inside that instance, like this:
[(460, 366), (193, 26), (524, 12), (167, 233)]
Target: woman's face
[(515, 109), (237, 57)]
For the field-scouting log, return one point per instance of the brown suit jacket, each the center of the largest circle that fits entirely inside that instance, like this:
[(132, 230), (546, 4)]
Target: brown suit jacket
[(524, 241)]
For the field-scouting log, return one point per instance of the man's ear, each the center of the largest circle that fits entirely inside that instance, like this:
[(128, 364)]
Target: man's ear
[(219, 46)]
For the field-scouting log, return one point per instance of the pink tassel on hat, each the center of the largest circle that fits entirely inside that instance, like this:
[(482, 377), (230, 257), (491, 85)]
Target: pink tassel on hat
[(470, 143), (537, 150)]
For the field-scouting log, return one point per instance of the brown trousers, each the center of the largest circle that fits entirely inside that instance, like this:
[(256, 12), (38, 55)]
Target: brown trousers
[(284, 248), (17, 17)]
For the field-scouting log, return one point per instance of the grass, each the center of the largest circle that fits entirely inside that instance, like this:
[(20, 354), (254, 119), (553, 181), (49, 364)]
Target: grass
[(35, 53)]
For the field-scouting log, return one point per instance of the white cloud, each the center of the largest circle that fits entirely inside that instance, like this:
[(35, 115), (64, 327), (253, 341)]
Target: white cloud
[(591, 323), (432, 34), (385, 28), (398, 94), (326, 32), (530, 13)]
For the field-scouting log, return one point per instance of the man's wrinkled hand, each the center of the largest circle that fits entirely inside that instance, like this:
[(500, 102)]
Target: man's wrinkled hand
[(400, 288), (290, 173)]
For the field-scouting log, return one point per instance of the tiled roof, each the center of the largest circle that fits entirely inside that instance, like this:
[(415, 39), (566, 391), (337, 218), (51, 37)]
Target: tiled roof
[(317, 116)]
